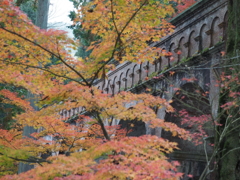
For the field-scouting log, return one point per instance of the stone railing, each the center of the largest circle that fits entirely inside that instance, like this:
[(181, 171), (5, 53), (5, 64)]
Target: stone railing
[(198, 29)]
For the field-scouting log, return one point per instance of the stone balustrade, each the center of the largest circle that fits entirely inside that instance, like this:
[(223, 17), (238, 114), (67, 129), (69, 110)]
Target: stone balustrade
[(197, 29)]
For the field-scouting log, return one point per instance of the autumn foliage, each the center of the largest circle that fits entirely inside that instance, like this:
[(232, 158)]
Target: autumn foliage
[(184, 5), (92, 145)]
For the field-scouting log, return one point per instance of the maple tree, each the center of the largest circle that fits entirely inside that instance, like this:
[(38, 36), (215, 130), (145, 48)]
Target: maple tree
[(95, 147), (86, 37)]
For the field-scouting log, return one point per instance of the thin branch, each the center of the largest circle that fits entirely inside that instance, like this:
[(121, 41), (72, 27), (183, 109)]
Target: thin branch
[(72, 145), (44, 69), (117, 41), (234, 149), (113, 17), (102, 127), (30, 160), (50, 52), (133, 16), (205, 149)]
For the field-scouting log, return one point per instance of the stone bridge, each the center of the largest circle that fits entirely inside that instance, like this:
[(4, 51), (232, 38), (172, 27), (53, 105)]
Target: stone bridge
[(199, 36), (198, 29)]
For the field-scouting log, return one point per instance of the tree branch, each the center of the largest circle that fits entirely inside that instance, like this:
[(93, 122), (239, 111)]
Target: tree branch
[(117, 41), (50, 52), (102, 127), (113, 17), (30, 160), (44, 69)]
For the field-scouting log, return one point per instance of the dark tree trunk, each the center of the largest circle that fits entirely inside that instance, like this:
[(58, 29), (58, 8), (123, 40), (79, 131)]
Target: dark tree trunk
[(229, 153), (42, 14), (233, 27), (41, 21)]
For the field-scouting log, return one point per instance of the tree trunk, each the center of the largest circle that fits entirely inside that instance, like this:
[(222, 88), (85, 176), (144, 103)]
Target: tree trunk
[(41, 21), (42, 14), (229, 165)]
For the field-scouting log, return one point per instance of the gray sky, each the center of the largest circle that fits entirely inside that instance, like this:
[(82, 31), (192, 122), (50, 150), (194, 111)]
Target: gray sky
[(58, 14)]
